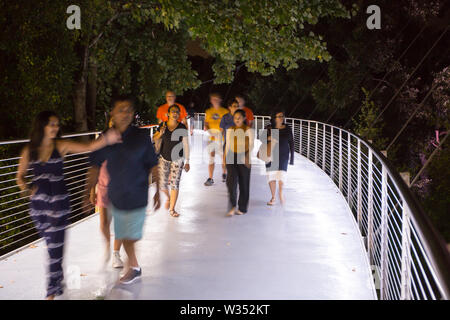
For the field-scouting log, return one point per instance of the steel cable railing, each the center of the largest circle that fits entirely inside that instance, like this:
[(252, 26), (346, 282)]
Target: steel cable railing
[(16, 227), (408, 257)]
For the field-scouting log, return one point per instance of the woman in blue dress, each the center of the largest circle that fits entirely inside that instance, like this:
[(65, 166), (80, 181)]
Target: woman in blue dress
[(50, 204)]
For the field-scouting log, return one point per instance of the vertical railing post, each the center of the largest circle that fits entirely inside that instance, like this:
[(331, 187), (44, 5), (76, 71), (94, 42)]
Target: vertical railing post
[(315, 143), (406, 254), (370, 210), (293, 130), (340, 160), (332, 153), (309, 140), (349, 169), (359, 189), (324, 146), (301, 137), (384, 235)]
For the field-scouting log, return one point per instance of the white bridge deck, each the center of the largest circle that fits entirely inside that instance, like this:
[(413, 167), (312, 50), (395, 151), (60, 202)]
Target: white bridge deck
[(310, 249)]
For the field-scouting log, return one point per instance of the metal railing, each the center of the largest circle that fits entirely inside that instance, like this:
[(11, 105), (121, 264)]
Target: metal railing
[(16, 227), (408, 257)]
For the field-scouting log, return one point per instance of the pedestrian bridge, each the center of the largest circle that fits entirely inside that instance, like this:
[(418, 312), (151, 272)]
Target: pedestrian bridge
[(349, 230)]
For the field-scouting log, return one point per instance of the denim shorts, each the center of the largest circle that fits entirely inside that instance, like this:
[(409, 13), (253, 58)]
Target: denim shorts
[(128, 224)]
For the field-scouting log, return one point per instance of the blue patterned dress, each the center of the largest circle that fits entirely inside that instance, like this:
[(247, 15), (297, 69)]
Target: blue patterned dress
[(49, 209)]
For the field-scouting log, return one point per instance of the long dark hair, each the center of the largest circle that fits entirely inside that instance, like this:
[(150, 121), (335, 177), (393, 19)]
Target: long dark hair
[(37, 132), (272, 117)]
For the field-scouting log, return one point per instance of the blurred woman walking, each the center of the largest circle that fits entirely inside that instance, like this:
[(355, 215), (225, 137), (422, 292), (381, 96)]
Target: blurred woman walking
[(50, 205)]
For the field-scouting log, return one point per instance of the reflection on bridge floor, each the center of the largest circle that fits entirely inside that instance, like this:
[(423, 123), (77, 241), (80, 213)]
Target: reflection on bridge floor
[(310, 249)]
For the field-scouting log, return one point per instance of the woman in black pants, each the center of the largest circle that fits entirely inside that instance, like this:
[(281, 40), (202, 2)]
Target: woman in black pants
[(238, 148)]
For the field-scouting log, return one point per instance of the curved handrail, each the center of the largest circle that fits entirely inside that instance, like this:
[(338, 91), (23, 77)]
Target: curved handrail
[(16, 229), (434, 245), (410, 257)]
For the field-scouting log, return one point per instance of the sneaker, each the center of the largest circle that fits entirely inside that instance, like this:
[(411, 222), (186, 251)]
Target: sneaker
[(131, 276), (224, 177), (209, 182), (116, 261)]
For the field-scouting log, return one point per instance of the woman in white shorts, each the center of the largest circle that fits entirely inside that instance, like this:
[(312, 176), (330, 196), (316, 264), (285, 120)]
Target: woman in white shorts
[(282, 145)]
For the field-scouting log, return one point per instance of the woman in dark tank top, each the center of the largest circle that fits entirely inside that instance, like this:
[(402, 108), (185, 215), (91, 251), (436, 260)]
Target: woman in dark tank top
[(49, 197)]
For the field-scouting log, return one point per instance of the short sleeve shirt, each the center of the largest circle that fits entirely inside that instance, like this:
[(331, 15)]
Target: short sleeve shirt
[(129, 165), (171, 140), (226, 122), (162, 111), (213, 117)]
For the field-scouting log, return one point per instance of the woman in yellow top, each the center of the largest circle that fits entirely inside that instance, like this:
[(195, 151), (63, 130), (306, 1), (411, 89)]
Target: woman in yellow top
[(238, 150), (213, 116)]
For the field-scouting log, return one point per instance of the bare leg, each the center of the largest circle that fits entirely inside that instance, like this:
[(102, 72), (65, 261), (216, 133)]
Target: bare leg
[(211, 165), (128, 245), (104, 224), (117, 244), (173, 202), (173, 198), (166, 192), (273, 189), (280, 191)]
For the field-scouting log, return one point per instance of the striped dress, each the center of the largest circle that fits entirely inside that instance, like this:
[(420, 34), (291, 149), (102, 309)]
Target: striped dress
[(49, 210)]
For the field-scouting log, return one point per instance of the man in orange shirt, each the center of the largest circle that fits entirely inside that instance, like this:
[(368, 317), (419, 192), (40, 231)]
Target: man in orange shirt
[(248, 112), (161, 114)]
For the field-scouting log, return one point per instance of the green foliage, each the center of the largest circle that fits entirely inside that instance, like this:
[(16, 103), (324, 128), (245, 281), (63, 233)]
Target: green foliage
[(437, 202), (38, 61), (264, 34), (365, 125), (139, 56)]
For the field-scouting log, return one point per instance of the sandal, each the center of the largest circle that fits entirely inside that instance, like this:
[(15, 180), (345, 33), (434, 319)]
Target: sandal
[(173, 213), (239, 212), (271, 202), (231, 212)]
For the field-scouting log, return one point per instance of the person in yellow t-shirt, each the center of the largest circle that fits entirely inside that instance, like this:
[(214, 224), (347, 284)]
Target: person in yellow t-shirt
[(213, 115)]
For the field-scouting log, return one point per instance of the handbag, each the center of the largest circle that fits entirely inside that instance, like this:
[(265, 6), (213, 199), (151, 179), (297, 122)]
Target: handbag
[(265, 152), (158, 142)]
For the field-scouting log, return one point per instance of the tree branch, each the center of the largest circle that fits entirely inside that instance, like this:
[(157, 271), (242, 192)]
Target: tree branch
[(110, 20)]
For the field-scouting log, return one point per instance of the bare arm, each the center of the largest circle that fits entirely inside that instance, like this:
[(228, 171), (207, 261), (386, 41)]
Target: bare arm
[(91, 181), (186, 150), (69, 146), (251, 138), (154, 176), (24, 163), (248, 154)]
